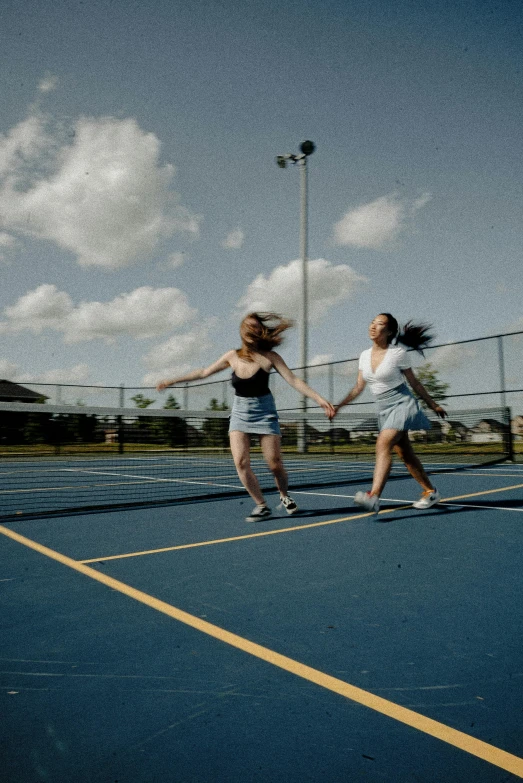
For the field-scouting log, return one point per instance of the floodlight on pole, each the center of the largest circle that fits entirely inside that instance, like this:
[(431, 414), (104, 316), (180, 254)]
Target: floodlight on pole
[(306, 149)]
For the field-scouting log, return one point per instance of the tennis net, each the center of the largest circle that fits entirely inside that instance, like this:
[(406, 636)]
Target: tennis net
[(56, 459)]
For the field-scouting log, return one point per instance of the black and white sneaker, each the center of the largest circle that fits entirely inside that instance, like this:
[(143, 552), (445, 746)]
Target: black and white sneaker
[(259, 512), (288, 504)]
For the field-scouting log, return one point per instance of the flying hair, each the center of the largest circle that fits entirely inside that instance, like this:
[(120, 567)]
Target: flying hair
[(263, 335), (416, 336)]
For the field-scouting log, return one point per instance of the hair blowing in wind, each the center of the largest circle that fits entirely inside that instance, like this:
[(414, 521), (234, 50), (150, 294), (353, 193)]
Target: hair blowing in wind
[(261, 332)]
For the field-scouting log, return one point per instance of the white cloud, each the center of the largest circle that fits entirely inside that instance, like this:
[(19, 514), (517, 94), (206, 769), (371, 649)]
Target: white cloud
[(320, 358), (234, 240), (176, 355), (318, 365), (328, 285), (48, 83), (451, 357), (44, 308), (77, 374), (6, 240), (7, 244), (25, 145), (8, 370), (377, 224), (143, 313), (175, 260), (98, 191)]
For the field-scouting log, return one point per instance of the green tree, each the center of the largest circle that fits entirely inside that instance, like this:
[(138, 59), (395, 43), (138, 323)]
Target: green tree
[(171, 403), (141, 402), (214, 405), (428, 375), (216, 430), (144, 430)]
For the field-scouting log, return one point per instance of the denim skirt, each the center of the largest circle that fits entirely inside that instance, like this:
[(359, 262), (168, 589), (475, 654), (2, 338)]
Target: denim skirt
[(399, 410), (255, 415)]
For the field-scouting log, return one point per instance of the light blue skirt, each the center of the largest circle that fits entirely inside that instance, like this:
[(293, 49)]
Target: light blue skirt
[(255, 415), (399, 410)]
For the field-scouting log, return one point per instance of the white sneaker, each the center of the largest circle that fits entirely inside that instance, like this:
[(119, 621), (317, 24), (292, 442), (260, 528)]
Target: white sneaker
[(368, 501), (259, 512), (288, 504), (428, 498)]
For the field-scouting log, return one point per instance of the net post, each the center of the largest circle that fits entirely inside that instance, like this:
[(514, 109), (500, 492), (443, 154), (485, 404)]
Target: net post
[(122, 396), (508, 436), (120, 434), (331, 398), (58, 436), (501, 363)]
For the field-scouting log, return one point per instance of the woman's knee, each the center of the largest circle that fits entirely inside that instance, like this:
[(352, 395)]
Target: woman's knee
[(275, 465), (242, 462), (385, 443)]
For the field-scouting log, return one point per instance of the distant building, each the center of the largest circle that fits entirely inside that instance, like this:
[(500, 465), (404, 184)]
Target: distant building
[(365, 428), (13, 392), (486, 431), (453, 430), (516, 426)]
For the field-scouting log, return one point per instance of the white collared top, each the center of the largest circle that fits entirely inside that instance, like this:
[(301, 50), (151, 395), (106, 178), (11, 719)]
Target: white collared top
[(388, 374)]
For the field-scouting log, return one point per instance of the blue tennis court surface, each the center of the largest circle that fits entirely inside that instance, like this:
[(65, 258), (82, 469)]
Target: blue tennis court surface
[(179, 643)]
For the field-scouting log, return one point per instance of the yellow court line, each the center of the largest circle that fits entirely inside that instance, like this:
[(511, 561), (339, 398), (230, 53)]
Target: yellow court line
[(458, 739), (484, 492), (280, 530), (235, 538)]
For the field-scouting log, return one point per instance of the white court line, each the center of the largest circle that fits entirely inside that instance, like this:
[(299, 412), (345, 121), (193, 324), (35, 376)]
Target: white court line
[(159, 480), (483, 475), (402, 501)]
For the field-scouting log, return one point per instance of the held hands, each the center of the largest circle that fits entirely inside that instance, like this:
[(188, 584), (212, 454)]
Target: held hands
[(328, 408)]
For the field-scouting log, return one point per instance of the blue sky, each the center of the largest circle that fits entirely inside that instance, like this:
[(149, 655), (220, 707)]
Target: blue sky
[(141, 209)]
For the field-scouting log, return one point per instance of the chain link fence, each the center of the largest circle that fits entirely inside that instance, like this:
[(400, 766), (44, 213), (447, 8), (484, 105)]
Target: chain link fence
[(481, 373)]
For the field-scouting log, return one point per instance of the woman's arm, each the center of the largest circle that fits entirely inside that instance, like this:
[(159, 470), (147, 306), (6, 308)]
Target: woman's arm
[(303, 388), (196, 375), (418, 387), (354, 392)]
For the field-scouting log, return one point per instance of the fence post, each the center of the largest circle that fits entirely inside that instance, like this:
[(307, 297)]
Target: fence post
[(501, 362)]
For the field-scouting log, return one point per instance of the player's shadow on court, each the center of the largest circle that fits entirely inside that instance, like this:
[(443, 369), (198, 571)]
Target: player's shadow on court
[(501, 504), (323, 512), (419, 515)]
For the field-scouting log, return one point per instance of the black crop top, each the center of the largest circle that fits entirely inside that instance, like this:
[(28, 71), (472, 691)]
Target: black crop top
[(255, 386)]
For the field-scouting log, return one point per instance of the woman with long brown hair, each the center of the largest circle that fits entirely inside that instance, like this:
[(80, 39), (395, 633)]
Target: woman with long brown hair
[(254, 410), (386, 367)]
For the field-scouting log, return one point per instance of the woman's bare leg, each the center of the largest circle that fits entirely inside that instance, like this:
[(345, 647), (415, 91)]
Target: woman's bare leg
[(240, 448), (271, 448), (404, 450), (384, 445)]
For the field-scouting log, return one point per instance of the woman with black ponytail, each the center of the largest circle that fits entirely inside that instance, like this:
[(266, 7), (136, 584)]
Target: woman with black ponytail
[(385, 367)]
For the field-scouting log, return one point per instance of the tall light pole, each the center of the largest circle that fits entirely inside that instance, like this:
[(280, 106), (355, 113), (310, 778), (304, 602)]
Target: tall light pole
[(306, 149)]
